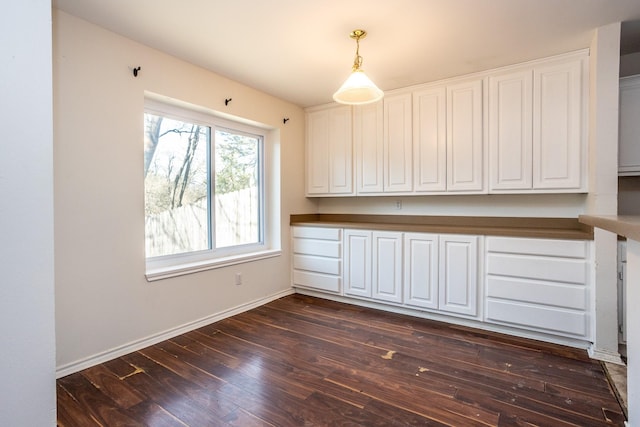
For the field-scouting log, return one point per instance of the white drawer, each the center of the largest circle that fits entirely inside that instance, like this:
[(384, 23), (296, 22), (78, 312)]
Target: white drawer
[(318, 281), (324, 248), (569, 270), (320, 233), (317, 264), (553, 294), (543, 247), (544, 318)]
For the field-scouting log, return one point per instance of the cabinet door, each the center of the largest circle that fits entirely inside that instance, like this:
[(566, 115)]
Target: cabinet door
[(357, 263), (317, 152), (387, 266), (397, 143), (458, 292), (421, 270), (329, 151), (465, 156), (429, 140), (559, 159), (368, 139), (510, 132), (629, 151), (340, 151)]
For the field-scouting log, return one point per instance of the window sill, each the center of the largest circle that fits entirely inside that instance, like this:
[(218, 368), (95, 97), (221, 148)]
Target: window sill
[(210, 264)]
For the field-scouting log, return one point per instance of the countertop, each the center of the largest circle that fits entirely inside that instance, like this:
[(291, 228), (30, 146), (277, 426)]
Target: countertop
[(552, 228), (623, 225)]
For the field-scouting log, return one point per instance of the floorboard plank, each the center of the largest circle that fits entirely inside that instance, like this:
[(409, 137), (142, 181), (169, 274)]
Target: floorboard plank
[(109, 383), (98, 406), (71, 412)]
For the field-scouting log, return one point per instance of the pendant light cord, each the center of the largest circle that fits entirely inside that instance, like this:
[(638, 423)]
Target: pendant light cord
[(357, 61)]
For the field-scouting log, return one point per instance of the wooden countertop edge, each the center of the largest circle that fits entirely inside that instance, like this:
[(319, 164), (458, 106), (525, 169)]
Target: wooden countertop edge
[(556, 228), (623, 225)]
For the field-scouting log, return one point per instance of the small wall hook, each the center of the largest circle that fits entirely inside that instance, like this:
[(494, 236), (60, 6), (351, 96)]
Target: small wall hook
[(135, 71), (227, 101), (285, 120)]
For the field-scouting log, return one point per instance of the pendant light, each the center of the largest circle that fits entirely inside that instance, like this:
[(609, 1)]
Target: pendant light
[(358, 89)]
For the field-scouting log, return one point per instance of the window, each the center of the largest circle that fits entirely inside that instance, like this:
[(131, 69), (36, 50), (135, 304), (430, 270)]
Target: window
[(204, 188)]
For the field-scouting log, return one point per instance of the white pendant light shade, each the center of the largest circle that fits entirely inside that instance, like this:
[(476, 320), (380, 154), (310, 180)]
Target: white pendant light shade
[(358, 89)]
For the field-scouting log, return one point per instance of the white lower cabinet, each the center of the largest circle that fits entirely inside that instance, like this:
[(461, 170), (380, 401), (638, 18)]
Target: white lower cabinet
[(387, 266), (421, 270), (532, 284), (441, 272), (538, 284), (373, 264), (458, 278), (357, 263), (317, 258)]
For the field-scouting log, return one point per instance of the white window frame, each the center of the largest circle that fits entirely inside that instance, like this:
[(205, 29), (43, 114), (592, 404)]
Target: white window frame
[(166, 266)]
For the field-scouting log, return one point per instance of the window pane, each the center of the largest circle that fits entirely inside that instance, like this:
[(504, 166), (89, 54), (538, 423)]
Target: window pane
[(176, 186), (237, 196)]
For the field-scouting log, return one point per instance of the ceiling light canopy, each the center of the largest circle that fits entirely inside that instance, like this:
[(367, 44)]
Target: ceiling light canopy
[(358, 89)]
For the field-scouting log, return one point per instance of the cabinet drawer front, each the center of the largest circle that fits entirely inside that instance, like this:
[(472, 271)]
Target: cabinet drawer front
[(552, 294), (318, 281), (317, 264), (540, 268), (544, 318), (543, 247), (325, 248), (319, 233)]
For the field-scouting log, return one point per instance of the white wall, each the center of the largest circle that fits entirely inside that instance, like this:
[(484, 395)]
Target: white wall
[(27, 333), (603, 184), (103, 301), (535, 205)]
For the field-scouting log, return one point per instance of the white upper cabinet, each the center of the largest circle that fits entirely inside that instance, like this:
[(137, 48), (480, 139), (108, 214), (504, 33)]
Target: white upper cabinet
[(430, 140), (369, 146), (465, 151), (329, 153), (398, 135), (537, 141), (559, 139), (383, 138), (629, 146), (510, 131)]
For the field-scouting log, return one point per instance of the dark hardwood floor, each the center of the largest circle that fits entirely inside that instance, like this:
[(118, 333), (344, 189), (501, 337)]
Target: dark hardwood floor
[(302, 361)]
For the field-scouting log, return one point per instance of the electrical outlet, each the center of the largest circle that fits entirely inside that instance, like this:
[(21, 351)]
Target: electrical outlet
[(398, 204), (238, 279)]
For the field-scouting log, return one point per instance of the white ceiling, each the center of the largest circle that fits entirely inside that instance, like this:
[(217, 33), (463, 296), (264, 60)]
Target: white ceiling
[(300, 50)]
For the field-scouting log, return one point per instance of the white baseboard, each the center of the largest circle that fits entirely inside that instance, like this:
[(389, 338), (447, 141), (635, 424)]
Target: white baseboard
[(110, 354), (605, 355)]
